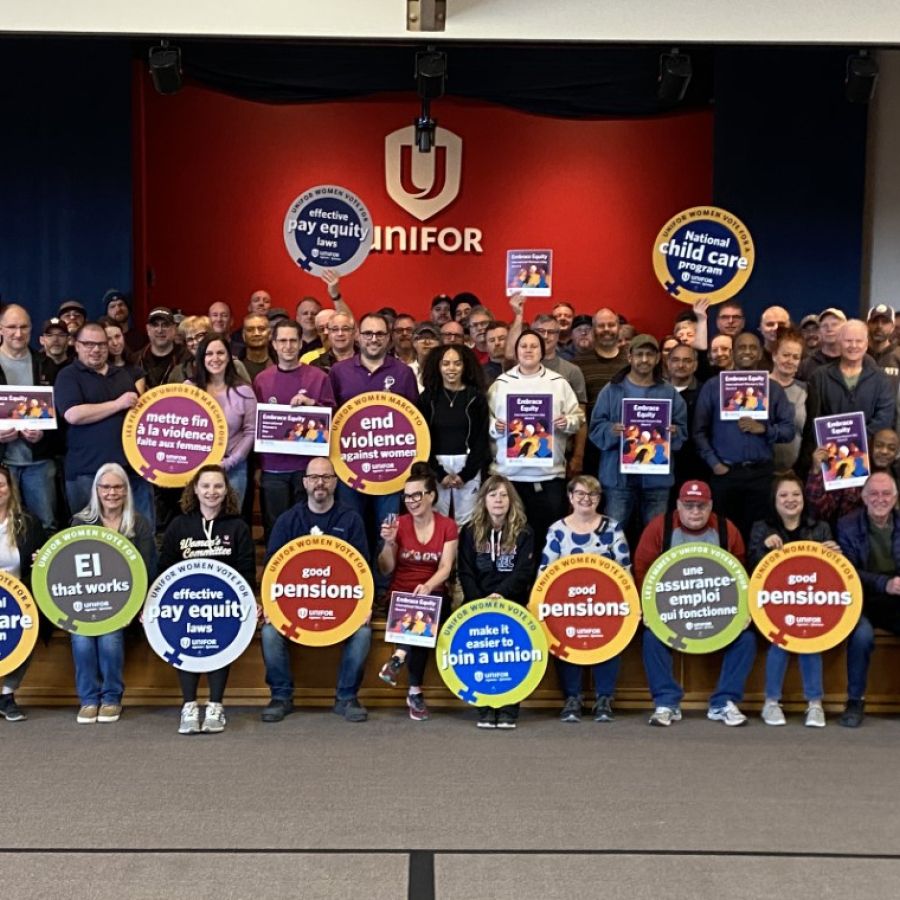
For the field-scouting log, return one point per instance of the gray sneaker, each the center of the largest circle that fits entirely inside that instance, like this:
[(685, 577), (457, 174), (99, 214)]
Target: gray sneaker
[(729, 714), (664, 716), (190, 719), (214, 720), (352, 710), (772, 714), (815, 716), (571, 712), (603, 710)]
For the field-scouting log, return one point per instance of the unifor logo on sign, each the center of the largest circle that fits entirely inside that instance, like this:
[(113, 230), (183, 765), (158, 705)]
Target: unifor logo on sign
[(423, 184)]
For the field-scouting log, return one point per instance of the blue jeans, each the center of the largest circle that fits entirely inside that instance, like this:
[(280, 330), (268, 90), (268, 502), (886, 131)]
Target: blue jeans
[(382, 506), (98, 667), (604, 676), (621, 503), (277, 658), (278, 492), (666, 691), (37, 486), (78, 493), (859, 653), (237, 478), (810, 672)]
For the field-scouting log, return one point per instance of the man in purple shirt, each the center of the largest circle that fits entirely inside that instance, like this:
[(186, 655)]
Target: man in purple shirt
[(292, 383), (372, 369)]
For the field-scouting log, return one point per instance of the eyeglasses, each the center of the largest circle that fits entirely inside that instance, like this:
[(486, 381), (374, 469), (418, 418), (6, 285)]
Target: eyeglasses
[(93, 345), (111, 488), (414, 497), (693, 507), (373, 335), (325, 479), (586, 495), (195, 338), (545, 332), (340, 329)]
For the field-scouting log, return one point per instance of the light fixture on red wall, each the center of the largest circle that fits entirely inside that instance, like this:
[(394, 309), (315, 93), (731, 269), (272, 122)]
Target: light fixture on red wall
[(431, 77)]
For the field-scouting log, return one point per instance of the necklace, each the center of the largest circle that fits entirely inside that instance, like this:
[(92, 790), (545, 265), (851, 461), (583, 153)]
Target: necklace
[(454, 398)]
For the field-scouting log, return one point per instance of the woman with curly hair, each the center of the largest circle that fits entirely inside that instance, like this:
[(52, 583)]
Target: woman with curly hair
[(209, 527), (496, 559)]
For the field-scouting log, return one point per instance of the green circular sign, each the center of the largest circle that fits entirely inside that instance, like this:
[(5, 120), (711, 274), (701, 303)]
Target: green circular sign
[(694, 598), (89, 580)]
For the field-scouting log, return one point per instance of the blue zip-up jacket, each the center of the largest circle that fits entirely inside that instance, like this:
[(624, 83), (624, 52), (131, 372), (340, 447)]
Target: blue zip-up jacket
[(299, 521), (608, 412)]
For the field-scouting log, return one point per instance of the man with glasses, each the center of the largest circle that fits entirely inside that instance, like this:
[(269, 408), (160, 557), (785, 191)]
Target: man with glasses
[(341, 335), (317, 513), (28, 452), (692, 522), (323, 317), (564, 313), (55, 351), (161, 355), (290, 383), (402, 334), (453, 333), (495, 339), (73, 313), (730, 319), (94, 397), (479, 319)]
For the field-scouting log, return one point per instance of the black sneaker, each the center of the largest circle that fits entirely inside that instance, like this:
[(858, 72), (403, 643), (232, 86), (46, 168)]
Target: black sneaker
[(571, 712), (352, 710), (388, 672), (603, 710), (418, 711), (9, 709), (277, 709), (487, 717), (507, 717), (853, 714)]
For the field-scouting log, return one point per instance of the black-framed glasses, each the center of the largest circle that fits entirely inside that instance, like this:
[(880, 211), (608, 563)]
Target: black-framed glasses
[(373, 335), (325, 479), (414, 497)]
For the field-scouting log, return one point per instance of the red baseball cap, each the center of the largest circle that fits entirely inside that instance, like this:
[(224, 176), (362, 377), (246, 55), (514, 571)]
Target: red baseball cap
[(695, 490)]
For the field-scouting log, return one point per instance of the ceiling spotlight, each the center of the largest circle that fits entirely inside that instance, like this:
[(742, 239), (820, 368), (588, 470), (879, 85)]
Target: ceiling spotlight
[(675, 73), (431, 73), (425, 127), (861, 78), (165, 68)]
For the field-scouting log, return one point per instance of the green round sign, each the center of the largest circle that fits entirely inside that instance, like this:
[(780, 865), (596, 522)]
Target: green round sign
[(694, 598), (89, 580)]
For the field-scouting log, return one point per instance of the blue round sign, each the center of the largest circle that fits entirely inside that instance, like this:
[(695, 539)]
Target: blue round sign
[(327, 227), (18, 623), (200, 615), (492, 652)]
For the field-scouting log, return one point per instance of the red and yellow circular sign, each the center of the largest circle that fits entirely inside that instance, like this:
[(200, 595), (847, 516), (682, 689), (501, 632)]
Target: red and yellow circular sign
[(375, 439), (805, 598), (588, 607), (317, 590)]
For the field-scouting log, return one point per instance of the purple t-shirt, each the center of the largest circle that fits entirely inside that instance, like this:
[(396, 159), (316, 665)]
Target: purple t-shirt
[(275, 385), (350, 378)]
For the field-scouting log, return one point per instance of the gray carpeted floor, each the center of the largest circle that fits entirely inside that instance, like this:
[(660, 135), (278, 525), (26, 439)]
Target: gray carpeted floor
[(317, 783)]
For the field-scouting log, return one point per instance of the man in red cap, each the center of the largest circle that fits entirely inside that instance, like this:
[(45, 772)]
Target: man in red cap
[(692, 522)]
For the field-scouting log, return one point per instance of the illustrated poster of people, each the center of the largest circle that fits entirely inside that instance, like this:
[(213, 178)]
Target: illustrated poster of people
[(645, 446), (844, 438)]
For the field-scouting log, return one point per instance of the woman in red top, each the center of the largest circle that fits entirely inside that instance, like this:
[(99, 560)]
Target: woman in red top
[(419, 550)]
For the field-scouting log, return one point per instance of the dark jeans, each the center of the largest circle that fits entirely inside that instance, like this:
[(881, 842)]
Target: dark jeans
[(545, 502), (604, 676), (743, 494), (879, 611)]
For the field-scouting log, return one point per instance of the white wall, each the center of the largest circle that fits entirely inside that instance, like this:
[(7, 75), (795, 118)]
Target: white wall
[(770, 21)]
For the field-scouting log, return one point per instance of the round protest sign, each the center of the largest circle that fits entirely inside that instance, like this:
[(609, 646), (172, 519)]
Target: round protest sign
[(200, 615), (694, 598), (18, 623), (375, 440), (173, 430), (805, 598), (588, 607), (492, 652), (89, 580), (327, 227), (703, 252), (317, 590)]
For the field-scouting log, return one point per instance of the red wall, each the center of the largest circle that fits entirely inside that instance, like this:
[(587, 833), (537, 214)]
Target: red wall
[(215, 176)]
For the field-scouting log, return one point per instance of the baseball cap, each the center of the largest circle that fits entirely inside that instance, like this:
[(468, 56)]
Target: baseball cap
[(697, 491), (833, 311), (643, 340), (68, 305), (427, 328), (441, 298), (55, 324), (582, 319), (811, 319), (160, 312), (273, 313), (880, 311)]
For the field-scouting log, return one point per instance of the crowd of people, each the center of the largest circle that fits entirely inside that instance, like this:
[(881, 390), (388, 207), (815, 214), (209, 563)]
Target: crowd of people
[(495, 501)]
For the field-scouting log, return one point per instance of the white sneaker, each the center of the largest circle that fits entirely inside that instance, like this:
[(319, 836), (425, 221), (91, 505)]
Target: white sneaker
[(815, 716), (190, 719), (729, 714), (772, 713), (664, 716), (214, 720)]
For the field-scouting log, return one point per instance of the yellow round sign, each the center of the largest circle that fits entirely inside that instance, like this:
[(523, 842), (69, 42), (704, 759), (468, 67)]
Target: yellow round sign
[(317, 590), (172, 431), (18, 623), (588, 607), (805, 598), (375, 439), (703, 252)]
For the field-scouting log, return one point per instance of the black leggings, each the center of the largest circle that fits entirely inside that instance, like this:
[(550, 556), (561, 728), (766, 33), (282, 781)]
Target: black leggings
[(189, 682), (417, 657)]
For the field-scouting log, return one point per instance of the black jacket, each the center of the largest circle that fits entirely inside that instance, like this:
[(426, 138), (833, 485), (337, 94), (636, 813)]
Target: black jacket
[(477, 442), (482, 572), (811, 529)]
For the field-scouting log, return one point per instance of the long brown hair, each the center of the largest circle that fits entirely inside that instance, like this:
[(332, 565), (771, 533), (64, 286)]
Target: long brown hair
[(516, 519), (191, 503), (15, 517)]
